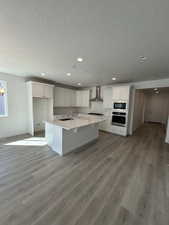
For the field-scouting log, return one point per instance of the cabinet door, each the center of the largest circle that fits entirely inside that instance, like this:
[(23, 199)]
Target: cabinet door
[(58, 97), (78, 98), (48, 91), (73, 98), (85, 98), (37, 90), (107, 97), (120, 93), (124, 93), (116, 93), (106, 125), (66, 97)]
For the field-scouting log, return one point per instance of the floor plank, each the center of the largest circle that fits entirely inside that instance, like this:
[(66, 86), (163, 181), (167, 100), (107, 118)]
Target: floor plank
[(115, 181)]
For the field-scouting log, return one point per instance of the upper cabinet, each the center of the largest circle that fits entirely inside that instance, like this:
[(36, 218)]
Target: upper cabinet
[(107, 97), (62, 97), (48, 91), (40, 105), (82, 98), (120, 93), (114, 93), (40, 90), (65, 97)]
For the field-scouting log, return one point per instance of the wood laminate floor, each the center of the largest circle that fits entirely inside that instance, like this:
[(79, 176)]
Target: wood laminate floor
[(115, 181)]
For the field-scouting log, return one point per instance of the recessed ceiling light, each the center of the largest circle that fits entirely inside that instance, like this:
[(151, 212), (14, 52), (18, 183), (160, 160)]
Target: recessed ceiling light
[(113, 78), (141, 61), (79, 84), (43, 74), (80, 59), (143, 58), (157, 92), (68, 74), (155, 89)]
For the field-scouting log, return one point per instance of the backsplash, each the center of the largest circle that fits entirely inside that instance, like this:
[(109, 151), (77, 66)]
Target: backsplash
[(96, 107), (64, 110)]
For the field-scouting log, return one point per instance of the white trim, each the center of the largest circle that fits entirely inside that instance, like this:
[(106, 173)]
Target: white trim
[(6, 99), (151, 84)]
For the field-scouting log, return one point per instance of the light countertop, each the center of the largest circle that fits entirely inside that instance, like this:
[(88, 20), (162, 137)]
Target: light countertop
[(78, 121)]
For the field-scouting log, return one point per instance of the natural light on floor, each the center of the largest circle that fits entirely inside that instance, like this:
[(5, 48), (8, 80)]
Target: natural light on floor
[(33, 141)]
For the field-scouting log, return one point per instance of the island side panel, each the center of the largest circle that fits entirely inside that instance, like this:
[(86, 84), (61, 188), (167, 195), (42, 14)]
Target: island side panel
[(75, 138), (53, 135)]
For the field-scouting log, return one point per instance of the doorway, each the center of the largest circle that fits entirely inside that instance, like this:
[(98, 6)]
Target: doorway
[(151, 106)]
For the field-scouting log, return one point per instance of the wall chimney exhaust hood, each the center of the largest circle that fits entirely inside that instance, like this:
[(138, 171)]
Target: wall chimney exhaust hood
[(98, 95)]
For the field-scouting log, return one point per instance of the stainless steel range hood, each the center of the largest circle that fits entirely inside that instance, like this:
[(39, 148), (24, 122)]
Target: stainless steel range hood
[(98, 95)]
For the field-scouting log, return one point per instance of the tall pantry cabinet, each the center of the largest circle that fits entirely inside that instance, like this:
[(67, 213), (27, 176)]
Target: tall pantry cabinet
[(40, 105)]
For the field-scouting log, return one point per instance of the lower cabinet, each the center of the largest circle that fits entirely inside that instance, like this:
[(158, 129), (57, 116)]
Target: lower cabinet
[(119, 130), (106, 125)]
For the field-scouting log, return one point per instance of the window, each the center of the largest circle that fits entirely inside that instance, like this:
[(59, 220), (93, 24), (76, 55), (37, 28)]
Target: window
[(3, 99)]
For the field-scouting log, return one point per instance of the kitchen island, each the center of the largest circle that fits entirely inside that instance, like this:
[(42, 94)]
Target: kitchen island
[(68, 134)]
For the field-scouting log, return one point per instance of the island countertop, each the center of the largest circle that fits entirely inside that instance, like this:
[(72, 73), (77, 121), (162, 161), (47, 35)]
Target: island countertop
[(81, 120)]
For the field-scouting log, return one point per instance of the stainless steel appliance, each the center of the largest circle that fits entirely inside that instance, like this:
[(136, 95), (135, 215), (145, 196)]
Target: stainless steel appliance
[(98, 97), (120, 105), (119, 119)]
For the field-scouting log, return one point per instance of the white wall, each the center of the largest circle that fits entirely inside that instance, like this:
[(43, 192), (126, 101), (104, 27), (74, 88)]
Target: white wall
[(157, 107), (167, 133), (16, 122), (139, 107)]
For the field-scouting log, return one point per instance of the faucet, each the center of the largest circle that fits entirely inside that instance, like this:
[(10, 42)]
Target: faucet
[(69, 114)]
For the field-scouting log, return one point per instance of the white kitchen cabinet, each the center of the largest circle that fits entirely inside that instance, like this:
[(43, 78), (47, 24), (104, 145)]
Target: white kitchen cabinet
[(48, 91), (78, 98), (120, 93), (60, 97), (73, 98), (119, 130), (82, 98), (85, 98), (107, 97), (106, 125), (40, 105), (40, 90), (37, 90), (64, 97)]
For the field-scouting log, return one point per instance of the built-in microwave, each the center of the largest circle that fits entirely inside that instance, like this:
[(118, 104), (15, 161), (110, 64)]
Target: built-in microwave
[(119, 105)]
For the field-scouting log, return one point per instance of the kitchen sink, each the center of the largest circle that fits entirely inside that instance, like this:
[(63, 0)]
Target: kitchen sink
[(66, 119)]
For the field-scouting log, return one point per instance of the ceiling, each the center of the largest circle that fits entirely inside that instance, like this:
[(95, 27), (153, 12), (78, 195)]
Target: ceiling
[(48, 35), (156, 90)]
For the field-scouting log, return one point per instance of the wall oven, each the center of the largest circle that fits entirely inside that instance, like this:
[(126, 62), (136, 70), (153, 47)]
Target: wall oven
[(120, 105), (119, 119)]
